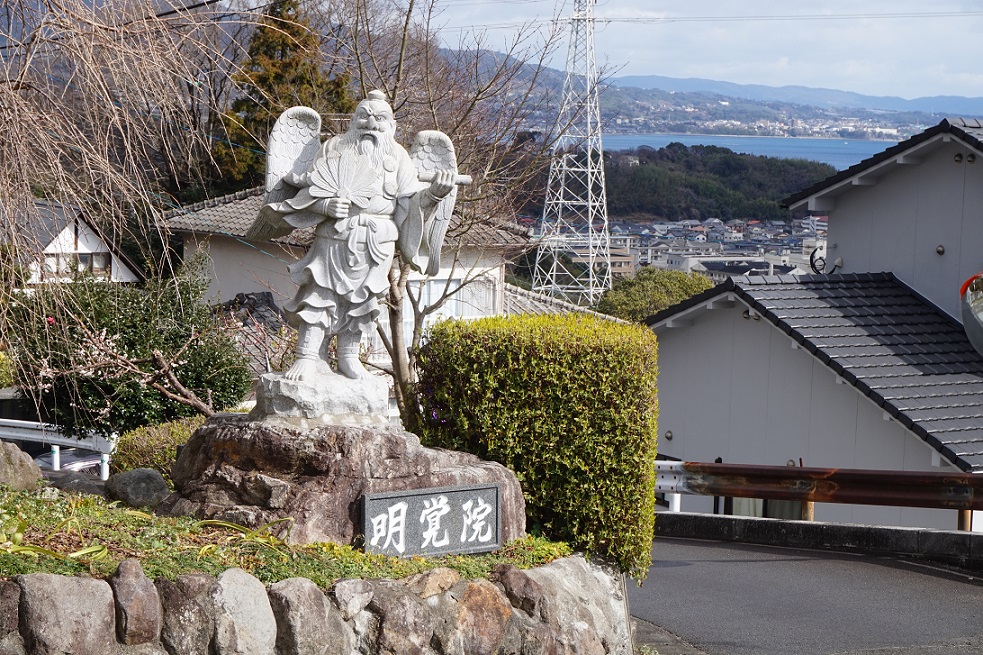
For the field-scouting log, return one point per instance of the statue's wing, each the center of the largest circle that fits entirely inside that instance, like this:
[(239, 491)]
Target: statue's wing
[(294, 144), (433, 151)]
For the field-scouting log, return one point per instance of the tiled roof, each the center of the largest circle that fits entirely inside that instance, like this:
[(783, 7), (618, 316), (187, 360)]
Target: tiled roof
[(229, 215), (969, 130), (260, 329), (895, 347), (232, 215)]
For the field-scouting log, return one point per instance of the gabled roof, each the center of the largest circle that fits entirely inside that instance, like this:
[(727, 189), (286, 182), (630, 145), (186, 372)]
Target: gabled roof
[(911, 359), (41, 224), (968, 130), (231, 215), (44, 221)]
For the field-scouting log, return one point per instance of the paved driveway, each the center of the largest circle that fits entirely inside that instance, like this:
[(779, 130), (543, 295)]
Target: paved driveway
[(738, 599)]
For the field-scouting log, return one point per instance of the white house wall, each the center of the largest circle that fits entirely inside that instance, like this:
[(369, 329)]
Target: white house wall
[(237, 266), (898, 223), (743, 393)]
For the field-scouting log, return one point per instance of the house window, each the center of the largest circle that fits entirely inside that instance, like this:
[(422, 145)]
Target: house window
[(64, 264), (97, 263), (56, 264)]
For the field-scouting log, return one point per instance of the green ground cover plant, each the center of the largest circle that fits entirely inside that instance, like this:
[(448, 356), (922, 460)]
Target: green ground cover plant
[(48, 531), (566, 402)]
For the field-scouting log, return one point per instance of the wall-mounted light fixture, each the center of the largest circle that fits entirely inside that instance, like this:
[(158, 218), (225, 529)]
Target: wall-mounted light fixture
[(940, 249), (958, 158), (971, 158), (668, 435)]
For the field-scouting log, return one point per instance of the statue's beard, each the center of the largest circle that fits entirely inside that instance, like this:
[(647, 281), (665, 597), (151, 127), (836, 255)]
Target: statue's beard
[(367, 144), (374, 145)]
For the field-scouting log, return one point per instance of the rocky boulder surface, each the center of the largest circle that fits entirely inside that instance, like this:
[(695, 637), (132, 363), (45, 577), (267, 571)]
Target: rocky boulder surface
[(254, 472), (140, 487), (17, 469)]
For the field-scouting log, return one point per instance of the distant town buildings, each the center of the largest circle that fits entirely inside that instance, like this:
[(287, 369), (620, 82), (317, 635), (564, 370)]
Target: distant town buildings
[(716, 248)]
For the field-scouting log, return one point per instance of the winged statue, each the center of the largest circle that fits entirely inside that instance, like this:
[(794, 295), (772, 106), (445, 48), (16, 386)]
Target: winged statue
[(366, 196)]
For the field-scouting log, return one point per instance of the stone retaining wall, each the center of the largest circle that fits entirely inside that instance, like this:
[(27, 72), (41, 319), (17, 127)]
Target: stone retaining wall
[(568, 606)]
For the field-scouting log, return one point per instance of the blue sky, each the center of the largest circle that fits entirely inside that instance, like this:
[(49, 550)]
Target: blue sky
[(904, 48)]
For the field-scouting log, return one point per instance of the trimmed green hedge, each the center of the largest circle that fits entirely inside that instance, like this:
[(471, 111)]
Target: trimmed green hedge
[(153, 446), (566, 402)]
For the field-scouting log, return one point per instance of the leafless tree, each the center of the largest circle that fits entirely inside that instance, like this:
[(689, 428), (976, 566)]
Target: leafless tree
[(102, 115), (488, 102), (111, 110)]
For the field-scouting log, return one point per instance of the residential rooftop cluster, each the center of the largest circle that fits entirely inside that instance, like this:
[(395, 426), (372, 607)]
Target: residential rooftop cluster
[(717, 248)]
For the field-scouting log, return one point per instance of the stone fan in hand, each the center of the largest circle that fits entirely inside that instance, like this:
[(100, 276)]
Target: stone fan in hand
[(349, 176)]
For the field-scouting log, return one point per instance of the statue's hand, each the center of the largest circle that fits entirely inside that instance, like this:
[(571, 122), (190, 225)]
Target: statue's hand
[(338, 207), (443, 183)]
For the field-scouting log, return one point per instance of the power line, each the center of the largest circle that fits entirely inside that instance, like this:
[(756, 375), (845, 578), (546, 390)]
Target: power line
[(656, 20)]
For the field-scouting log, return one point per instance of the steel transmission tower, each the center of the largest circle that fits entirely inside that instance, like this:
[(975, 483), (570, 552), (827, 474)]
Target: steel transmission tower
[(573, 260)]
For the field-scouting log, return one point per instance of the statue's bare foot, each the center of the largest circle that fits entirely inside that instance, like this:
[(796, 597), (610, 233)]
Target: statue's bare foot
[(352, 368), (301, 369)]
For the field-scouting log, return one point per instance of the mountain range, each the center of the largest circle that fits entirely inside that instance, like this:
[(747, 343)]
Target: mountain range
[(802, 95)]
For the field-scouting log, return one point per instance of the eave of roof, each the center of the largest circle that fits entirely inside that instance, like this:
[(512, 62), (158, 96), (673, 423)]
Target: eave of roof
[(968, 130), (878, 335), (232, 215)]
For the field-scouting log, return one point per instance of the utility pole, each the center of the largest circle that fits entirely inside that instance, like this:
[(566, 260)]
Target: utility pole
[(573, 260)]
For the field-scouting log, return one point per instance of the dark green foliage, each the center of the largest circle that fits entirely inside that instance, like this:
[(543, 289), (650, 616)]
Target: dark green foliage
[(566, 402), (699, 182), (153, 446), (650, 290), (85, 352), (285, 68)]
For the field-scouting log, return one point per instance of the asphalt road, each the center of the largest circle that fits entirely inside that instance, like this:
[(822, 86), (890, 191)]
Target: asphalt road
[(738, 599)]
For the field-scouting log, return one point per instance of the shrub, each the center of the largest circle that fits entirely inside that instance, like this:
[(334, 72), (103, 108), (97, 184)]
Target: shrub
[(650, 291), (6, 370), (569, 404), (106, 357), (153, 446)]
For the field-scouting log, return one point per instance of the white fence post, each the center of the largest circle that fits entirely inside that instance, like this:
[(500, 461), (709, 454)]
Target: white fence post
[(675, 501)]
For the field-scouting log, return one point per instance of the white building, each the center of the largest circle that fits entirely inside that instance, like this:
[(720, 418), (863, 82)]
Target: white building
[(861, 369), (62, 243)]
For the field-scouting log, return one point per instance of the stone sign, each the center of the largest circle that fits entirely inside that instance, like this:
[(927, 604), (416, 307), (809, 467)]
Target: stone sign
[(436, 521)]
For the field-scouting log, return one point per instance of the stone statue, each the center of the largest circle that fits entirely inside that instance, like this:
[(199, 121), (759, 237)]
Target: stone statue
[(365, 195)]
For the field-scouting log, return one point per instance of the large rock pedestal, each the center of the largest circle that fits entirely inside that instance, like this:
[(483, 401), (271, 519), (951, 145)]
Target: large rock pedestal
[(253, 472)]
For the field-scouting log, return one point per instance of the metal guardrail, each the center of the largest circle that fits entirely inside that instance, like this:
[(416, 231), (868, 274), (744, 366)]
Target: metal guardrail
[(48, 434), (957, 491)]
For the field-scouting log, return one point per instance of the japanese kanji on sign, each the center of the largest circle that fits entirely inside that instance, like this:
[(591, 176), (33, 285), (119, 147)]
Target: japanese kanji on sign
[(437, 521)]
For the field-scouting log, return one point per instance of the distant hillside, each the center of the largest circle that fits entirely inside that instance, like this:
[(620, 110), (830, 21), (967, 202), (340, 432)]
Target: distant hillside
[(801, 95), (698, 182)]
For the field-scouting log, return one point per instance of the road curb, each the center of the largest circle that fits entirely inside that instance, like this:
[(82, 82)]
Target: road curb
[(963, 550), (660, 639)]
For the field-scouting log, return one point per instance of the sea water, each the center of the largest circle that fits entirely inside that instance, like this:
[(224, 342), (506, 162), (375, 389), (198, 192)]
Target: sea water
[(839, 153)]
